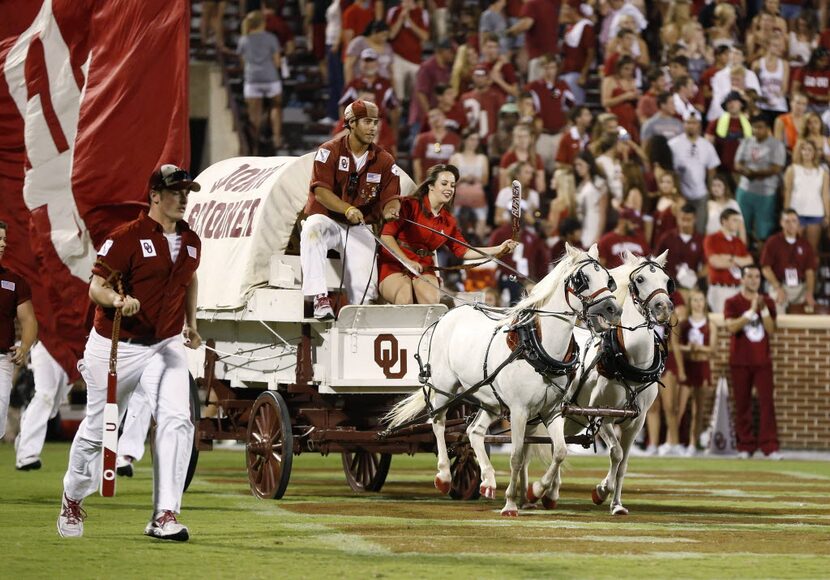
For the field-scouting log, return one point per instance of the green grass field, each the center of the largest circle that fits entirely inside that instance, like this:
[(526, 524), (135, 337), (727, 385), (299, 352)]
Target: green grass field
[(690, 518)]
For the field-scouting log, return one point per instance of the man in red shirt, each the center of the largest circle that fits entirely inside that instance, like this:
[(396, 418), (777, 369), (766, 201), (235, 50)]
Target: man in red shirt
[(353, 182), (725, 255), (575, 137), (789, 264), (434, 71), (382, 95), (539, 21), (147, 269), (434, 146), (623, 238), (15, 303), (685, 261), (553, 99), (455, 117), (750, 318), (498, 67), (727, 131), (408, 29), (578, 47), (356, 18), (482, 103)]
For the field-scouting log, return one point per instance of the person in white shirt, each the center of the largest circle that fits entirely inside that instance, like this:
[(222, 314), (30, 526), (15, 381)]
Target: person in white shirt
[(722, 82), (695, 160)]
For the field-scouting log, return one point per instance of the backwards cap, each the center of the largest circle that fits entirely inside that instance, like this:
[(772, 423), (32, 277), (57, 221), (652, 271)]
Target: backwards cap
[(359, 109)]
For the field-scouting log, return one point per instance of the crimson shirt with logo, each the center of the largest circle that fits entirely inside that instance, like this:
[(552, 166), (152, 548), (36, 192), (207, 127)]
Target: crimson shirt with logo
[(613, 245), (780, 255), (14, 291), (748, 347), (140, 252)]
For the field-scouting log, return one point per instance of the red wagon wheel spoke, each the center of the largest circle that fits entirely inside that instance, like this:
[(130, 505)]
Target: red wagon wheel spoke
[(365, 470), (270, 446)]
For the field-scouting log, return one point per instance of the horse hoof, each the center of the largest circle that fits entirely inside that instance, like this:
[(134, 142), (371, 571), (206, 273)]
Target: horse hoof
[(510, 513), (619, 511), (442, 486), (531, 497), (548, 503), (596, 497), (487, 492)]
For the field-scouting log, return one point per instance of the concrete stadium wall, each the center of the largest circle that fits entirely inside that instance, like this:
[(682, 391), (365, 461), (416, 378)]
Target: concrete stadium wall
[(801, 366)]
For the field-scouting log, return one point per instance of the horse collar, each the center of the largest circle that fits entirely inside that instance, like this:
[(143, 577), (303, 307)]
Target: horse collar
[(527, 337)]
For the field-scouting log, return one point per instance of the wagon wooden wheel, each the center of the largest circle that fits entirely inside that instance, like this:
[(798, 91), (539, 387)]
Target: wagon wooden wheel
[(466, 474), (365, 470), (270, 446)]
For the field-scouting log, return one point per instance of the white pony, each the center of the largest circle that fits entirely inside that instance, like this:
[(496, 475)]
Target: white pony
[(468, 346), (643, 289)]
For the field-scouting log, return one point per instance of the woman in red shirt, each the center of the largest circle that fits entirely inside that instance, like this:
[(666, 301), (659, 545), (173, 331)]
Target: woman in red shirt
[(697, 336), (430, 205), (620, 95)]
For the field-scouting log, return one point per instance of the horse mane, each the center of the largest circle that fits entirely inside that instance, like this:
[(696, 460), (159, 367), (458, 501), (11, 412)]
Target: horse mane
[(543, 291)]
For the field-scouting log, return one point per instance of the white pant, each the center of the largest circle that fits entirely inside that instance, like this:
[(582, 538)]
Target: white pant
[(6, 370), (162, 371), (534, 69), (51, 387), (718, 295), (403, 78), (547, 146), (319, 235), (136, 425)]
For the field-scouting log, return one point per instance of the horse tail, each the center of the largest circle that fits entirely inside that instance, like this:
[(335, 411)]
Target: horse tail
[(405, 410)]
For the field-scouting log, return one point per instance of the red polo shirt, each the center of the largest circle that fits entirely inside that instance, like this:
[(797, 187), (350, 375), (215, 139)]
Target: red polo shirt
[(552, 102), (14, 291), (780, 255), (612, 246), (718, 243), (750, 346), (406, 44), (375, 185), (543, 36), (139, 250), (432, 151), (571, 144), (681, 252)]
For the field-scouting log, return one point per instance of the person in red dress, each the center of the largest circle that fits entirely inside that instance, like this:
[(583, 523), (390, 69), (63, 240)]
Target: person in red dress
[(620, 96), (430, 205), (749, 317), (697, 336)]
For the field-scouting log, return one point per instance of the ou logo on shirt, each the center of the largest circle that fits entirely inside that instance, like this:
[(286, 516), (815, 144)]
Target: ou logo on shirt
[(148, 250)]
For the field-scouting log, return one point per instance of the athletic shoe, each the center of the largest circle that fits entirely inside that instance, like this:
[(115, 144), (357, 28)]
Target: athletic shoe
[(690, 451), (124, 465), (71, 518), (33, 466), (166, 527), (322, 307), (774, 456), (744, 455), (650, 450), (666, 450)]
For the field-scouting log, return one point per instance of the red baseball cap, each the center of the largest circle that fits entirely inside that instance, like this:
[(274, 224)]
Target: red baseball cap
[(359, 109)]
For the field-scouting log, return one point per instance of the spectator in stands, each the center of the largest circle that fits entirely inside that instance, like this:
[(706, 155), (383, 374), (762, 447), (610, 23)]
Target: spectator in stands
[(664, 122), (685, 262), (694, 45), (660, 159), (623, 238), (609, 160), (806, 190), (356, 17), (376, 38), (666, 405), (721, 198), (578, 47), (627, 44), (335, 50), (259, 52), (530, 258), (685, 89), (789, 265), (314, 26), (499, 142), (212, 20), (647, 105), (563, 205), (433, 147), (728, 130), (759, 161), (814, 131), (620, 94), (723, 30), (498, 67), (552, 98), (774, 75), (522, 171), (463, 65), (481, 105), (732, 77), (591, 198), (409, 29), (493, 20), (721, 61), (790, 125), (539, 22), (382, 95), (814, 80), (669, 202), (436, 70), (522, 149), (430, 205), (725, 255), (634, 200), (622, 14), (473, 177), (570, 232), (749, 317), (695, 160), (697, 337), (801, 42), (575, 137)]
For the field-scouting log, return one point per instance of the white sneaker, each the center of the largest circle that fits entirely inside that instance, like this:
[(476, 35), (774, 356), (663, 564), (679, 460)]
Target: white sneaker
[(124, 465), (744, 455), (165, 527), (650, 450), (774, 456), (71, 518), (690, 451), (322, 307), (665, 449)]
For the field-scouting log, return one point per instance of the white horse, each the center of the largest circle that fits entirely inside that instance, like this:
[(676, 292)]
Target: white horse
[(468, 346), (643, 289)]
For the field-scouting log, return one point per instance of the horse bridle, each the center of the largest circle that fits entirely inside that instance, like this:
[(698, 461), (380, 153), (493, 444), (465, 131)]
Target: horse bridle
[(577, 283), (634, 289)]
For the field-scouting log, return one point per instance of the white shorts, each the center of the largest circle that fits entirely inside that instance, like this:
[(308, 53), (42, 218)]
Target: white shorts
[(260, 90)]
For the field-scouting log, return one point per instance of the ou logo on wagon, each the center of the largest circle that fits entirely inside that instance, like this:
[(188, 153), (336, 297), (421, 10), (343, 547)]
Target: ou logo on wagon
[(388, 355)]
